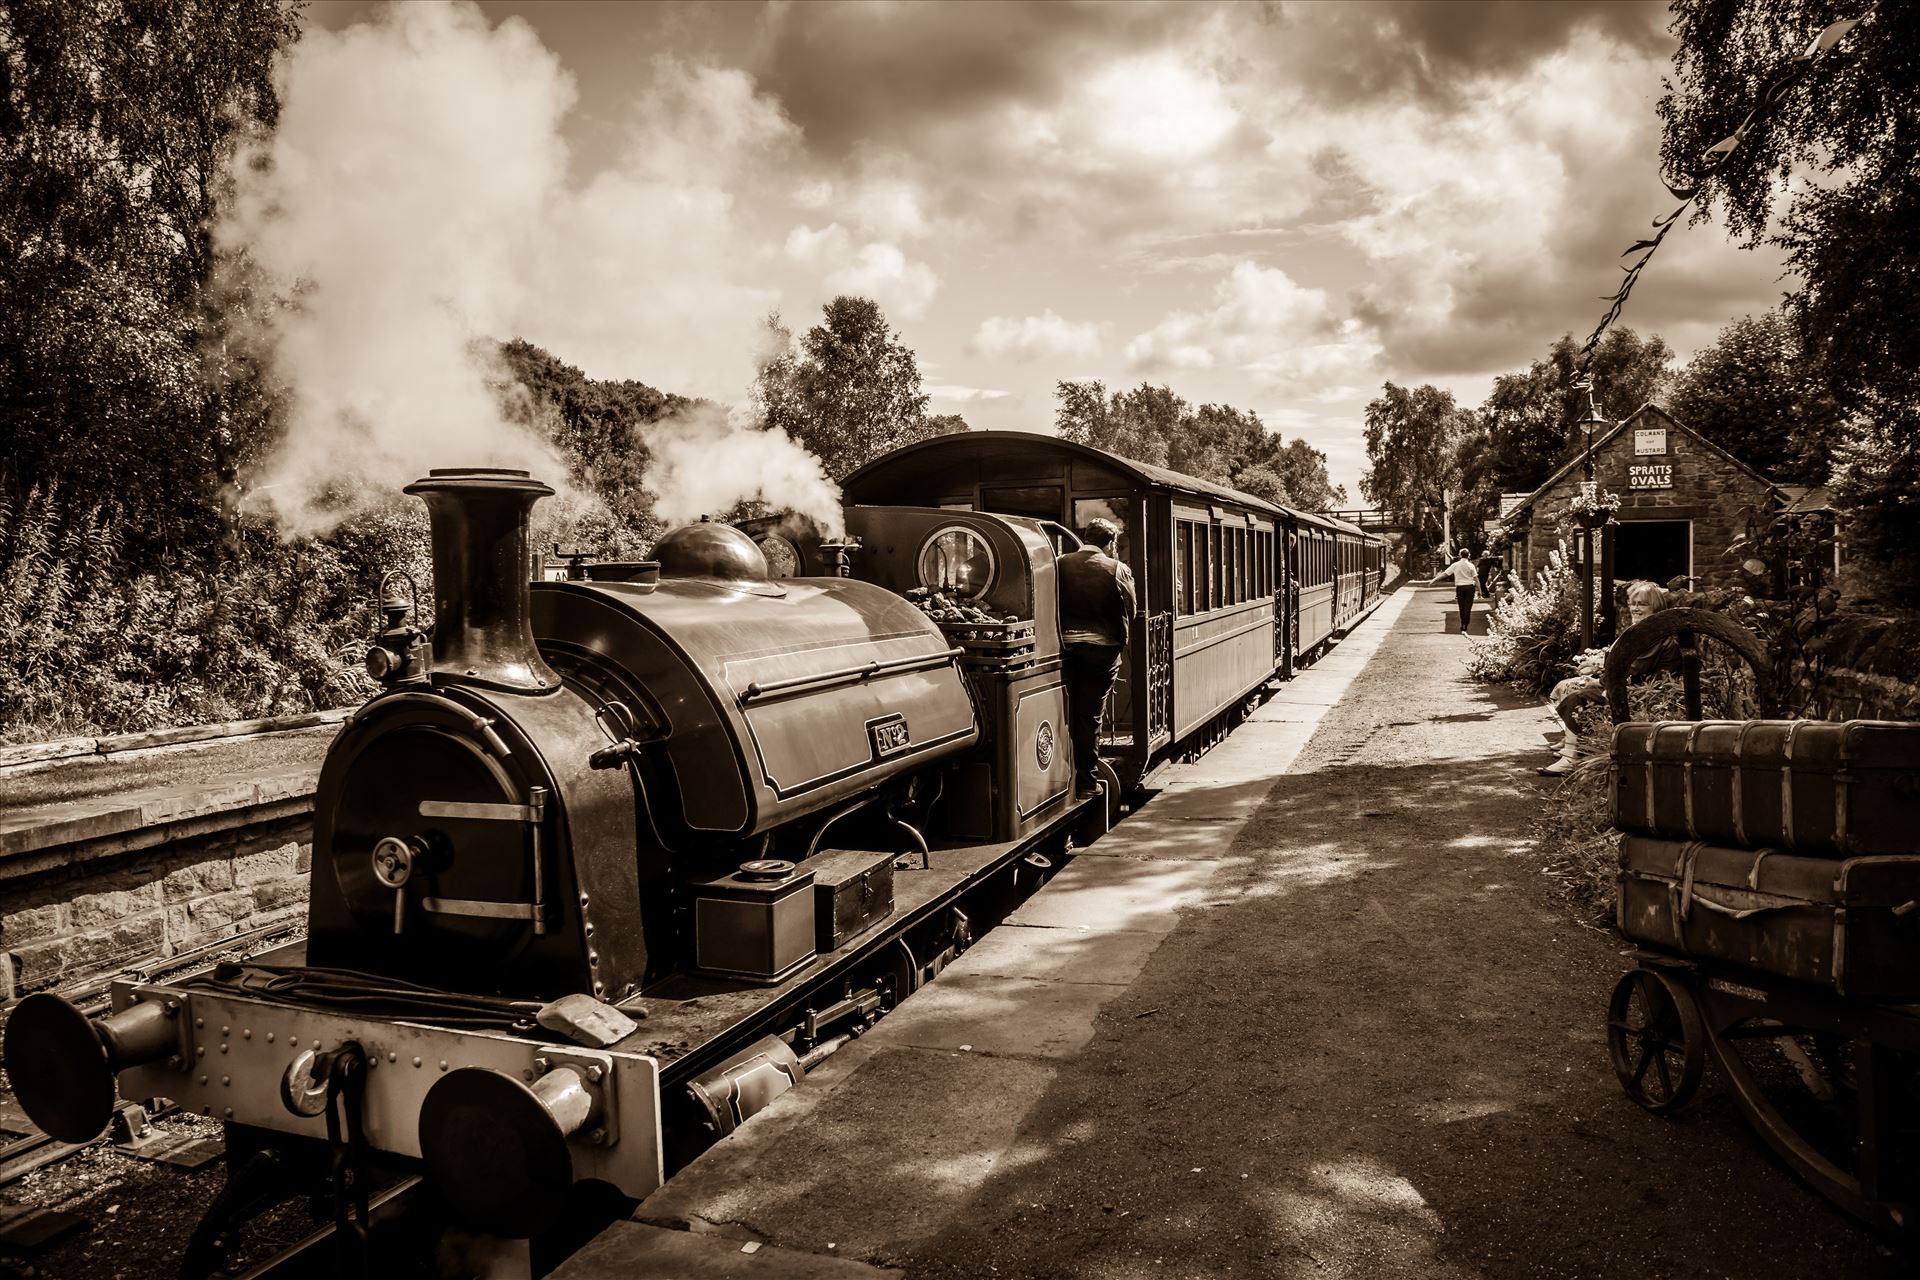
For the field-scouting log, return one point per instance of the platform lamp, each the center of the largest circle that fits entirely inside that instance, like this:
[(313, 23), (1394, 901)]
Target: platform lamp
[(1591, 516)]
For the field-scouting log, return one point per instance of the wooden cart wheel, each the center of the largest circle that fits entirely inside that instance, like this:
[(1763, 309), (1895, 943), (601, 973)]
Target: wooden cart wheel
[(1837, 1126), (1655, 1040), (1688, 625)]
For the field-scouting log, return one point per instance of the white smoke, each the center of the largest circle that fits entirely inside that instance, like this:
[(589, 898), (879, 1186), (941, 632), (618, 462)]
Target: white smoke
[(413, 206), (705, 459)]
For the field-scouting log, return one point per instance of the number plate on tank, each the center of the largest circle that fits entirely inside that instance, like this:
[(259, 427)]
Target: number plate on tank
[(888, 735)]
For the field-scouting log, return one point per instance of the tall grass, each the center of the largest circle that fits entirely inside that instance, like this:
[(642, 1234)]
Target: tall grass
[(92, 644)]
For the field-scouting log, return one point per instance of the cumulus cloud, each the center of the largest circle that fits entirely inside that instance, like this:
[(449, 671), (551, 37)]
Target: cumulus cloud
[(965, 395), (1475, 160), (875, 269), (1045, 336), (1255, 309)]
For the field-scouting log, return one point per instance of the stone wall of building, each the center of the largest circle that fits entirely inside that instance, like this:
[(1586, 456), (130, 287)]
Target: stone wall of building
[(1709, 488)]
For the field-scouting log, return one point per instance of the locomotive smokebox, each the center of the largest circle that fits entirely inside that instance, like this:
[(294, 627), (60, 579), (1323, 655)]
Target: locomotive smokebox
[(481, 569)]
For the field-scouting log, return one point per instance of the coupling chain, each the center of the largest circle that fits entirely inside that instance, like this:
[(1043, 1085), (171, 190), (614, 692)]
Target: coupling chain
[(345, 1070)]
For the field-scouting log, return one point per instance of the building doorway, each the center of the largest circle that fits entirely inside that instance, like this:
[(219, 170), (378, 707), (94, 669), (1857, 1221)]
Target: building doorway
[(1655, 550)]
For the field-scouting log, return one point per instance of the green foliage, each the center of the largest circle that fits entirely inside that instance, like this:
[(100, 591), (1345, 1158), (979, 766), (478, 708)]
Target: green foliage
[(1213, 442), (90, 643), (1411, 439), (1847, 232), (1754, 393), (599, 427), (1876, 483), (1531, 416), (1533, 633), (1138, 424), (117, 122), (852, 390)]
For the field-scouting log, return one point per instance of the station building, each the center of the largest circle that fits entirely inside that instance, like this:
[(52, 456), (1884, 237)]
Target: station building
[(1683, 502)]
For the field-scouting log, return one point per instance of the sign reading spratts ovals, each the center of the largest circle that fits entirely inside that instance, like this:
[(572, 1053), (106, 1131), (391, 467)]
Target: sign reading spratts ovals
[(1043, 744), (956, 560)]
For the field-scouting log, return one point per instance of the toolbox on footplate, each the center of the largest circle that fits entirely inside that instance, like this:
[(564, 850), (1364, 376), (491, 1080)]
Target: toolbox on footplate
[(1814, 787), (1852, 925), (852, 891)]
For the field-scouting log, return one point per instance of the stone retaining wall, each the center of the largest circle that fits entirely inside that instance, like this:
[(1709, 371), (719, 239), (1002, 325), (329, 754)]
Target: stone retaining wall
[(186, 870)]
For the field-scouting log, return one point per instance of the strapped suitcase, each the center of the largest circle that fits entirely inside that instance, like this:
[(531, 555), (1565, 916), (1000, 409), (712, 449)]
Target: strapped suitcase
[(1851, 925), (1815, 787)]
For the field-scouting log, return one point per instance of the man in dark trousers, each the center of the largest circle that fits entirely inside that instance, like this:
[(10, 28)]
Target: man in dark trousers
[(1096, 606)]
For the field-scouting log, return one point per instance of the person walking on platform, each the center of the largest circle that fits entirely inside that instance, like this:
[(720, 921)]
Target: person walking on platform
[(1096, 607), (1466, 579)]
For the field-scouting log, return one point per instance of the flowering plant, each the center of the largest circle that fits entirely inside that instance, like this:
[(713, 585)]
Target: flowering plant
[(1599, 502)]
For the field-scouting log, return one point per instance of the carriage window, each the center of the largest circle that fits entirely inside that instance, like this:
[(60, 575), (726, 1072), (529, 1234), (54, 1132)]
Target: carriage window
[(1229, 567), (1183, 567), (956, 559), (1085, 510), (1202, 570), (1216, 596), (1238, 590)]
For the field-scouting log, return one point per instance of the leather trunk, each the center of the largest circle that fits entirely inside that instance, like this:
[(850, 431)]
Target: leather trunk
[(1851, 925), (1815, 787)]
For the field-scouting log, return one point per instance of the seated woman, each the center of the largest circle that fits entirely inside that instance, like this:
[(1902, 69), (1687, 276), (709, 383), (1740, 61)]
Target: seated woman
[(1586, 686)]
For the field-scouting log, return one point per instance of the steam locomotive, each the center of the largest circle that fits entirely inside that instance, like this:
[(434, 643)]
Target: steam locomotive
[(611, 860)]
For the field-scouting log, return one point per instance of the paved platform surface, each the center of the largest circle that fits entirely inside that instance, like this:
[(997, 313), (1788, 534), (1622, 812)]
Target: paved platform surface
[(1311, 1013)]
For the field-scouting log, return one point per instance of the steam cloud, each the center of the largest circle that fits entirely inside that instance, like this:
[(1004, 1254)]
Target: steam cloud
[(705, 460), (413, 205)]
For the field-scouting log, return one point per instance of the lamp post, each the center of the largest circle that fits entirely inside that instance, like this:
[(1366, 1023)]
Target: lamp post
[(1592, 517)]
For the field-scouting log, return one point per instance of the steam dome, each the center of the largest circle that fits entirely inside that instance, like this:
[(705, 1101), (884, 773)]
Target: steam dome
[(718, 552)]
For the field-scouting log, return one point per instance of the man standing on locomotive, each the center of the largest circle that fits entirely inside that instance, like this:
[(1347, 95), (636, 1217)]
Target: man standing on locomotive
[(1096, 607)]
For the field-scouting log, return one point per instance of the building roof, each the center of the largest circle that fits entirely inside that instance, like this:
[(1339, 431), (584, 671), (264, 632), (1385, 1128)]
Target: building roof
[(1607, 437), (1145, 472), (1805, 500)]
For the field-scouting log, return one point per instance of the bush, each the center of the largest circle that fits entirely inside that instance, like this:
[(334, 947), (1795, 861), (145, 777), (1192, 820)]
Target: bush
[(1575, 842), (254, 627), (1533, 634)]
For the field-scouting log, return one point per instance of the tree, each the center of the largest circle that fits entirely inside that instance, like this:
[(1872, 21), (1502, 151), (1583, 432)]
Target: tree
[(850, 393), (599, 427), (118, 122), (1753, 393), (1476, 495), (1138, 424), (1411, 438), (943, 424), (1303, 469), (1530, 415), (1852, 119)]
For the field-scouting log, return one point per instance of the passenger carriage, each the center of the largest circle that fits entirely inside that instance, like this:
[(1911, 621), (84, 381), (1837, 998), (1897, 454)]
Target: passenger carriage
[(1221, 574)]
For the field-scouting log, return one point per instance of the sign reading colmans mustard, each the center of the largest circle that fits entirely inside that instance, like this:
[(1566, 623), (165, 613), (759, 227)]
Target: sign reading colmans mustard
[(1650, 440), (1650, 475)]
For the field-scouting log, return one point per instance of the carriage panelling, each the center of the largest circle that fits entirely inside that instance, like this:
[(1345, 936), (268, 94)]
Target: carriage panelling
[(1217, 571)]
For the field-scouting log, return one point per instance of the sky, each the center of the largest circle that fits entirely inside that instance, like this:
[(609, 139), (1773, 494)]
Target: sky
[(1278, 207)]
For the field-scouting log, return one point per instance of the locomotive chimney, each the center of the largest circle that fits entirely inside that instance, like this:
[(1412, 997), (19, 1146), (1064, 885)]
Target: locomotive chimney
[(481, 568)]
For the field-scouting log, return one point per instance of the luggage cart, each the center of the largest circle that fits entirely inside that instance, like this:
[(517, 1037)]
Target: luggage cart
[(1828, 1083)]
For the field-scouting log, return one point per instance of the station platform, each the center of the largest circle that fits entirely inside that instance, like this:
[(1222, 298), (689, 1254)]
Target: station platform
[(1317, 1012), (872, 1158)]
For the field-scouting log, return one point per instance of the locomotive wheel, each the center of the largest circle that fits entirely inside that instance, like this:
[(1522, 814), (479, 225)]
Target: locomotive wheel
[(1655, 1040)]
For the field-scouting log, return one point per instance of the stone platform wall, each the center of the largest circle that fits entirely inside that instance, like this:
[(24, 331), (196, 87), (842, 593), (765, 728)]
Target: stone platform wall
[(166, 874)]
